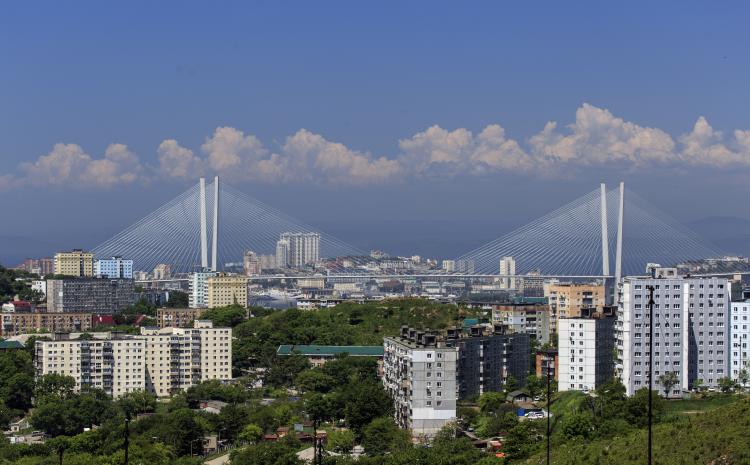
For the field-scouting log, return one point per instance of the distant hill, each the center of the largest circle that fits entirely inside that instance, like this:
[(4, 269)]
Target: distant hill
[(729, 233)]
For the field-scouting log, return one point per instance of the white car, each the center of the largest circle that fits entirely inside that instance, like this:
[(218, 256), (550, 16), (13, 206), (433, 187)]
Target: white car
[(534, 415)]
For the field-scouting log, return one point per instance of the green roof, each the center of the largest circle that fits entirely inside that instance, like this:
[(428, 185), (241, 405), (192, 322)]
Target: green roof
[(361, 351), (10, 345)]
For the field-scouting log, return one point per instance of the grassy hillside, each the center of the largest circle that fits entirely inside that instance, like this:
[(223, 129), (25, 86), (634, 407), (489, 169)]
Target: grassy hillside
[(720, 436)]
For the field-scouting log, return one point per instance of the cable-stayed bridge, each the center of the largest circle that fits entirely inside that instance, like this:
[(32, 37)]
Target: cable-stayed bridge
[(605, 233)]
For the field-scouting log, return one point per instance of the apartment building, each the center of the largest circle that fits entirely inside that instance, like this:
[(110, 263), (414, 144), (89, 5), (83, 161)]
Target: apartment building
[(89, 295), (74, 263), (115, 267), (586, 350), (488, 357), (419, 373), (507, 268), (532, 319), (225, 289), (14, 323), (547, 363), (566, 300), (177, 358), (691, 331), (303, 248), (198, 289), (162, 361), (177, 317), (110, 362), (740, 331)]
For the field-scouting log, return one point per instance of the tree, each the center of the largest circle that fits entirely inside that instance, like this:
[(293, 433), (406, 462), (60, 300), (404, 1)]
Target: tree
[(178, 299), (365, 402), (382, 436), (743, 377), (491, 402), (668, 380), (314, 380), (251, 433), (698, 384), (59, 445), (341, 441), (225, 317), (727, 384), (536, 385), (636, 407), (511, 384), (577, 426), (266, 453), (55, 385)]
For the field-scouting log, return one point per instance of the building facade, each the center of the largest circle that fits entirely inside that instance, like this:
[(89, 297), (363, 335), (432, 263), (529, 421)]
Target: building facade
[(198, 289), (162, 361), (691, 332), (251, 264), (740, 331), (508, 267), (89, 295), (177, 317), (224, 289), (74, 263), (566, 300), (532, 319), (586, 351), (420, 376), (13, 324), (114, 267), (303, 248)]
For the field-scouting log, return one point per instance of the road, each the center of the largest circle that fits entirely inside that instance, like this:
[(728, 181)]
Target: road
[(220, 460)]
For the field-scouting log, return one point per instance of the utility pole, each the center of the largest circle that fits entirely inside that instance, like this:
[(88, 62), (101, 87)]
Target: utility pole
[(127, 439), (549, 396), (650, 367)]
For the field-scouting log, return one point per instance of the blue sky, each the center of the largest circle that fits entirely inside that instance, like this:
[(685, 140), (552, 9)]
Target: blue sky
[(424, 122)]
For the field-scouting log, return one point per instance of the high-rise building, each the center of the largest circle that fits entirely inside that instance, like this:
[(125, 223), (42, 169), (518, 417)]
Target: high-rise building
[(39, 266), (114, 267), (420, 376), (532, 284), (225, 289), (531, 319), (449, 266), (566, 300), (74, 263), (251, 264), (303, 249), (507, 268), (282, 253), (465, 266), (89, 295), (691, 332), (740, 331), (267, 262), (585, 347), (198, 289), (162, 361), (162, 271), (488, 358)]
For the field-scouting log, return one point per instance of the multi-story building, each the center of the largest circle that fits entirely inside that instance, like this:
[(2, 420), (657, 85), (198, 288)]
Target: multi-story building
[(225, 289), (449, 266), (39, 266), (282, 253), (465, 266), (419, 373), (162, 271), (566, 300), (488, 358), (303, 248), (547, 364), (532, 284), (177, 358), (112, 362), (740, 331), (177, 317), (532, 319), (251, 264), (198, 289), (691, 332), (508, 268), (162, 361), (89, 295), (586, 350), (13, 324), (267, 262), (74, 263), (114, 267)]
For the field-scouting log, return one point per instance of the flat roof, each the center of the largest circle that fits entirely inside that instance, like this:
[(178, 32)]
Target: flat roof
[(10, 345), (361, 351)]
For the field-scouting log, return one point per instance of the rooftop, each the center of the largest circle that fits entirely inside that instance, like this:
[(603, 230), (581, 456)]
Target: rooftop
[(4, 345)]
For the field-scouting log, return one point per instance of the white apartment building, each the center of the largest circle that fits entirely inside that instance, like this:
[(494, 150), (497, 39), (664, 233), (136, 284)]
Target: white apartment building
[(162, 361), (303, 248), (420, 376), (740, 331), (114, 364), (115, 267), (449, 266), (198, 289), (585, 352), (508, 267), (691, 331)]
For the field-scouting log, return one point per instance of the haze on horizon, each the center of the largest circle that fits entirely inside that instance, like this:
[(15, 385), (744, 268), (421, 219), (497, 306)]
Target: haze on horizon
[(426, 128)]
